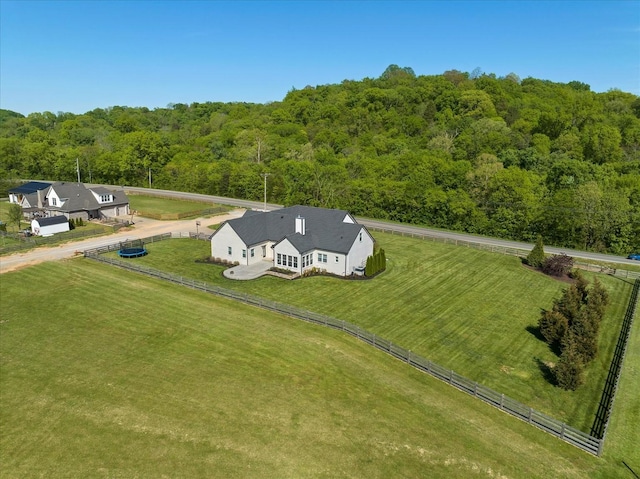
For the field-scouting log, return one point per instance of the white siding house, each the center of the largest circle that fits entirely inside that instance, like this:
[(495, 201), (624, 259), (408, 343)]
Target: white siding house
[(297, 239), (73, 200)]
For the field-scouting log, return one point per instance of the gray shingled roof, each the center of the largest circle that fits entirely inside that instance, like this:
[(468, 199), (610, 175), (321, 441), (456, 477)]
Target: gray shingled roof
[(79, 198), (324, 228)]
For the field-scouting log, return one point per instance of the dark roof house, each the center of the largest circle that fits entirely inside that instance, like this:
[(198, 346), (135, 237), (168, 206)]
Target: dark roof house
[(300, 233), (74, 200)]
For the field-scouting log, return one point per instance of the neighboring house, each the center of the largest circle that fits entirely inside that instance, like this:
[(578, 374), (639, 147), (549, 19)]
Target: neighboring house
[(297, 239), (49, 226), (73, 200), (27, 193)]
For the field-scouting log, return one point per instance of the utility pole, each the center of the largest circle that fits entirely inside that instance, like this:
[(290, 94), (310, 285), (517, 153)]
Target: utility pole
[(78, 169), (149, 177), (265, 175)]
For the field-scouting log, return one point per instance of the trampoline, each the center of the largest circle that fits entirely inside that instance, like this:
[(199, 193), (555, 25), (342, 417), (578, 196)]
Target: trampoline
[(132, 250)]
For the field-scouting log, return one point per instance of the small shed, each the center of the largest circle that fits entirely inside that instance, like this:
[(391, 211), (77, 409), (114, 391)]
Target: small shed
[(49, 226)]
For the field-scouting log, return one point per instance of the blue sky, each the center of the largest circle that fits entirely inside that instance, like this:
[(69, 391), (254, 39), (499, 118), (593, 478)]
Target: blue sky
[(75, 56)]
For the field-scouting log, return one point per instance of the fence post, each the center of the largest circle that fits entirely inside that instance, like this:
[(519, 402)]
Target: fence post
[(409, 357), (562, 432), (475, 389), (501, 401), (530, 414), (600, 446)]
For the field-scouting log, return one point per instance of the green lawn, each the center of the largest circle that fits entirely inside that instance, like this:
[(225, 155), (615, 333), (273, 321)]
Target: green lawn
[(113, 374), (623, 435), (4, 217), (156, 206), (467, 310)]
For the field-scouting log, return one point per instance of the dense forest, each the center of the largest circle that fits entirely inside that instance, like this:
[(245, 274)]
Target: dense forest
[(473, 152)]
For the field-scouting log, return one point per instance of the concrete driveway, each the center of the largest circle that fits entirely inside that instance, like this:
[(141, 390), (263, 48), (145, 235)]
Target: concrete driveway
[(246, 272)]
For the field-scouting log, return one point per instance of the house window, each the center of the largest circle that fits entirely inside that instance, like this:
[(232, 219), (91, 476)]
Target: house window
[(54, 202), (253, 252), (289, 261), (337, 259), (311, 258), (229, 250), (304, 261), (244, 253), (324, 258), (295, 261), (105, 198), (279, 258), (360, 237)]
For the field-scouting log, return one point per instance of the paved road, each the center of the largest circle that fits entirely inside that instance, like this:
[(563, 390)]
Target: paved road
[(399, 227), (143, 227)]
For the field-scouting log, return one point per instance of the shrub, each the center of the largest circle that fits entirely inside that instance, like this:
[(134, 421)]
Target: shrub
[(536, 256), (558, 265), (375, 263), (71, 225), (368, 270)]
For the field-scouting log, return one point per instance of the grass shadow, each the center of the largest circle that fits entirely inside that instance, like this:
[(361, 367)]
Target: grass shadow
[(547, 372), (535, 331)]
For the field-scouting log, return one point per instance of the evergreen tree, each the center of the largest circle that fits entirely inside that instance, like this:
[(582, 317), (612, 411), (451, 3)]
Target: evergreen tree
[(553, 326), (569, 371), (597, 299), (368, 269), (536, 256)]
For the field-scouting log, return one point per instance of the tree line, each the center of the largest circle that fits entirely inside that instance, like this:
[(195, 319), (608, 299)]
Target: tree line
[(572, 328), (472, 152)]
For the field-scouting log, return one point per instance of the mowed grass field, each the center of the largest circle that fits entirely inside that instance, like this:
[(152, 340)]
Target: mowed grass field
[(165, 206), (474, 312), (113, 374)]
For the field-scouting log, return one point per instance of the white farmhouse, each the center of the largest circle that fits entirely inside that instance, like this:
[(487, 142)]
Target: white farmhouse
[(297, 239), (73, 200)]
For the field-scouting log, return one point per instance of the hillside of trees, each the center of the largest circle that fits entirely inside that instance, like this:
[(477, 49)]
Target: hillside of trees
[(472, 152)]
